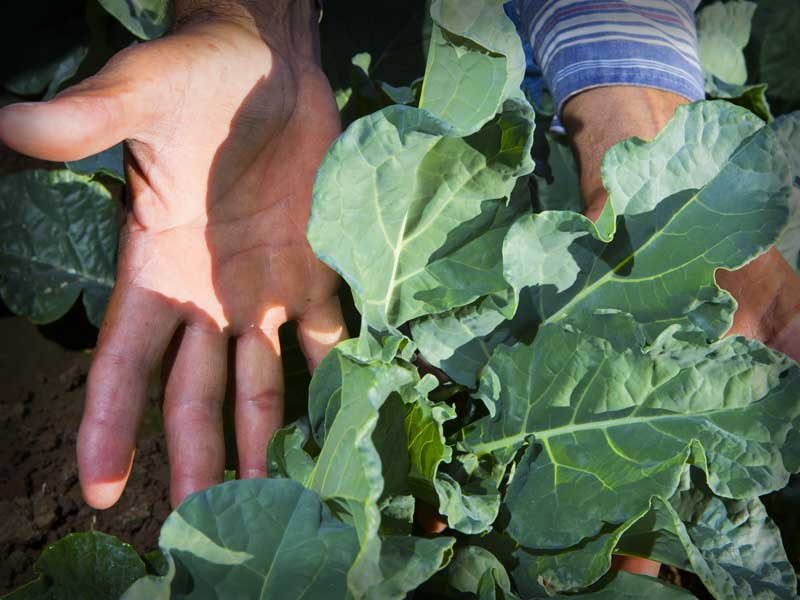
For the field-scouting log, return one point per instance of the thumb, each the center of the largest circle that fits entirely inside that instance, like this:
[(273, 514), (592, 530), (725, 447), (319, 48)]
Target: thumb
[(90, 117)]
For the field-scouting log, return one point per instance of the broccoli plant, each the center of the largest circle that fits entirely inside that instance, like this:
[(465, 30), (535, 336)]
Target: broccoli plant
[(559, 390)]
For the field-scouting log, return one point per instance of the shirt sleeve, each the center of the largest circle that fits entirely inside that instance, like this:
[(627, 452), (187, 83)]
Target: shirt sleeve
[(581, 44)]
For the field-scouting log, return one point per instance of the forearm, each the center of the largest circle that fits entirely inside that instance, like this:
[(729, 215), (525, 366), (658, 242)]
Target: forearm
[(615, 70), (598, 118)]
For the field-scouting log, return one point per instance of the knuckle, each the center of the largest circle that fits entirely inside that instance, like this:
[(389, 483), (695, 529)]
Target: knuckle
[(115, 361), (188, 410), (269, 400)]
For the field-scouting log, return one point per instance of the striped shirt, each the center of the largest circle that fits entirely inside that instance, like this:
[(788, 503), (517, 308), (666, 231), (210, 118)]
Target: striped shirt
[(574, 45)]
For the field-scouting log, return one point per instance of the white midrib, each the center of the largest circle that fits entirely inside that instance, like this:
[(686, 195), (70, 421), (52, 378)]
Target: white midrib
[(564, 311), (397, 251), (546, 434)]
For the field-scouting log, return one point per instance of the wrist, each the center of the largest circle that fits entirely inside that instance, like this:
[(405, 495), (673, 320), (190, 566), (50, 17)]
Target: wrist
[(289, 26)]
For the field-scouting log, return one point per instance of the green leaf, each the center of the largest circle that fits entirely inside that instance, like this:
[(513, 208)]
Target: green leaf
[(460, 341), (653, 536), (460, 488), (146, 19), (468, 567), (397, 45), (83, 565), (47, 78), (108, 162), (474, 267), (618, 585), (627, 586), (65, 70), (346, 373), (408, 561), (639, 174), (774, 54), (563, 192), (427, 448), (608, 426), (397, 514), (787, 128), (660, 200), (367, 94), (59, 237), (398, 196), (723, 30), (576, 567), (286, 456), (357, 408), (678, 225), (751, 97), (475, 62), (257, 538), (732, 545)]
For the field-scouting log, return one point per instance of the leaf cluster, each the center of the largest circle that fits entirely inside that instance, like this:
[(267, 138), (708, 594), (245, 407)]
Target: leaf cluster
[(558, 390)]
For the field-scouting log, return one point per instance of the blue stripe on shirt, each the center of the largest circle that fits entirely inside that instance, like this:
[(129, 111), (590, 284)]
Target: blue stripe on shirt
[(581, 44)]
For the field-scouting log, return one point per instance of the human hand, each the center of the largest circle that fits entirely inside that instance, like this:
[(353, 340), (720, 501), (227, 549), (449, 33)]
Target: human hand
[(227, 120), (768, 293)]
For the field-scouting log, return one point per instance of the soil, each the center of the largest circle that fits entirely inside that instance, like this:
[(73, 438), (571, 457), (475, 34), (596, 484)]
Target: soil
[(42, 387)]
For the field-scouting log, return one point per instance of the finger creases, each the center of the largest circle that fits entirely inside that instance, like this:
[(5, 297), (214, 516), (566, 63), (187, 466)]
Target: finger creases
[(193, 401), (259, 398), (135, 333)]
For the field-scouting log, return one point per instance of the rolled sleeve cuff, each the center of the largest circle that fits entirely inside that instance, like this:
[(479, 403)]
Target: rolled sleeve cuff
[(583, 44)]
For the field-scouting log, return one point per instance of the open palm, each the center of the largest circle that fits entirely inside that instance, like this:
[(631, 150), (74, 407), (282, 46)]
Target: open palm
[(225, 130)]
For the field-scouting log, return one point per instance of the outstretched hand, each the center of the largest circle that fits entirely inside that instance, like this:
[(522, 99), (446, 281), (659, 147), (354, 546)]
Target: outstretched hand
[(226, 122)]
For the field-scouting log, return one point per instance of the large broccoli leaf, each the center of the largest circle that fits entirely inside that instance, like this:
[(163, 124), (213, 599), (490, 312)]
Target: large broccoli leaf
[(609, 425), (258, 538), (420, 192), (59, 237), (679, 224), (397, 197), (474, 570), (83, 565)]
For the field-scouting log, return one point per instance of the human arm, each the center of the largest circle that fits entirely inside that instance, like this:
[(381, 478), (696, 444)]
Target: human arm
[(618, 70), (226, 121), (600, 105)]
